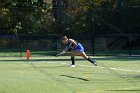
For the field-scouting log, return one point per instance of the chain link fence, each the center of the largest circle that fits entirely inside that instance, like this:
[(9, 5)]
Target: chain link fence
[(93, 24), (51, 45)]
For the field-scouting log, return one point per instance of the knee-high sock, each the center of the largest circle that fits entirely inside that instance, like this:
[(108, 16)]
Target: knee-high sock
[(90, 60), (73, 60)]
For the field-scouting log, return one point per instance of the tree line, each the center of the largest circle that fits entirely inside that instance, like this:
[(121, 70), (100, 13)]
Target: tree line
[(84, 17)]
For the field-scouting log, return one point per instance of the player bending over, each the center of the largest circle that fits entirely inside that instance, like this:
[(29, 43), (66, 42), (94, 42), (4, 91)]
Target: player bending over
[(77, 48)]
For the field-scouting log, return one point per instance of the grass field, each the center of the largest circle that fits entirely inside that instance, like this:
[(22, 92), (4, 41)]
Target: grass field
[(53, 75)]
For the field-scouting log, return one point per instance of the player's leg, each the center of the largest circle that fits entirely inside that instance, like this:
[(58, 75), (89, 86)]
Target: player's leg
[(73, 58), (80, 50), (83, 54)]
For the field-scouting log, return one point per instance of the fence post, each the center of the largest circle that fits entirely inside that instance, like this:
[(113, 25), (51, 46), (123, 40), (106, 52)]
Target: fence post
[(93, 46), (20, 48), (129, 45), (56, 44), (93, 29)]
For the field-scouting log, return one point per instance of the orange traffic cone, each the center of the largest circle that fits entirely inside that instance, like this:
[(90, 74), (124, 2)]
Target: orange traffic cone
[(28, 54)]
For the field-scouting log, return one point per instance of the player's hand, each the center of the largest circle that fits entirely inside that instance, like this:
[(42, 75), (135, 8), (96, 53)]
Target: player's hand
[(57, 55)]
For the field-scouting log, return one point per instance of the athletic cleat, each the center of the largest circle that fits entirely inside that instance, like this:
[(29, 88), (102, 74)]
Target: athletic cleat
[(95, 63), (72, 66)]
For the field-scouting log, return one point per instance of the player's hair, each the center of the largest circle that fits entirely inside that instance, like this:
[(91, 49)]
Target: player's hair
[(64, 38)]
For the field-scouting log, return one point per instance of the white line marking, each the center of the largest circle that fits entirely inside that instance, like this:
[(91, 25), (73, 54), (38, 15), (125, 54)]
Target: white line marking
[(112, 68), (125, 70), (118, 69)]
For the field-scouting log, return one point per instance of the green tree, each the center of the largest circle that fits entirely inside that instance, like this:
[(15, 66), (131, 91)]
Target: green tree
[(25, 17), (78, 16)]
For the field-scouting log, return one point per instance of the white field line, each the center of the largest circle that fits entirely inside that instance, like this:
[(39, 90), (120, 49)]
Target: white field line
[(118, 69)]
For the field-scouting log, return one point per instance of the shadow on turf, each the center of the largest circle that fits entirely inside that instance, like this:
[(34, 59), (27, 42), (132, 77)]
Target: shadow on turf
[(125, 90), (75, 77), (38, 60), (106, 58), (118, 58), (138, 77)]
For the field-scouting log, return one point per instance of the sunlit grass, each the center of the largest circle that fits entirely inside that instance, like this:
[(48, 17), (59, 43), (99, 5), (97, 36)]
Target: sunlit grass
[(53, 75)]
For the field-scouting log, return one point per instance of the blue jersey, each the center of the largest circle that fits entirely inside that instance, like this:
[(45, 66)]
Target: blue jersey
[(78, 48)]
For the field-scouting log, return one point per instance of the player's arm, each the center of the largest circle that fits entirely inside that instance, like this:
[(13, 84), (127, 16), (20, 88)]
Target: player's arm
[(73, 42), (63, 52)]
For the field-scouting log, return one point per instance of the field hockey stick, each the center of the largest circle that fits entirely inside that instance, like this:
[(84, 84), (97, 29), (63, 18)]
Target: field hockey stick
[(61, 53)]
